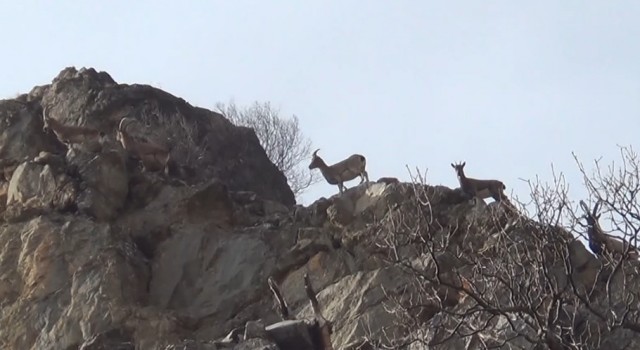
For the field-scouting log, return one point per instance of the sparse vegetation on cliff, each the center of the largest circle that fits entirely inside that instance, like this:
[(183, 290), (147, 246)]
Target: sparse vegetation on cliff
[(95, 253)]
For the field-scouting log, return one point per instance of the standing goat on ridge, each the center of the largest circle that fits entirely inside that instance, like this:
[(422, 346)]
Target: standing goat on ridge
[(342, 171), (154, 157), (600, 242), (482, 189)]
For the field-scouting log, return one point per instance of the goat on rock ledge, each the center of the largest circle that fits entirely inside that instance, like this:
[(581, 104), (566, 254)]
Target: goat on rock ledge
[(345, 170)]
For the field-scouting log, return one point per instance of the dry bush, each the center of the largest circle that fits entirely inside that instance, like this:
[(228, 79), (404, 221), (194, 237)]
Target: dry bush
[(515, 281), (167, 125), (281, 138)]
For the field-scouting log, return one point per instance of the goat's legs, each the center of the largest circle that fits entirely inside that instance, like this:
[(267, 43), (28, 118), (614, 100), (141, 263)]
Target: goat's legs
[(472, 195), (364, 176)]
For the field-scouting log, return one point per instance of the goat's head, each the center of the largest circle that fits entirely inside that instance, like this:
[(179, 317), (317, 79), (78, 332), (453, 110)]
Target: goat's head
[(45, 120), (316, 161), (459, 168), (593, 216)]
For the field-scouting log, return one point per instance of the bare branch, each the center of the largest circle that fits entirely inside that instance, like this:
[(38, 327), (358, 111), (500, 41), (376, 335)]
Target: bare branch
[(281, 138), (487, 277)]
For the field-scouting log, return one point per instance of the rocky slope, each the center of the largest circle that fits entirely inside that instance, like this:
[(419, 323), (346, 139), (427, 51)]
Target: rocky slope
[(95, 254)]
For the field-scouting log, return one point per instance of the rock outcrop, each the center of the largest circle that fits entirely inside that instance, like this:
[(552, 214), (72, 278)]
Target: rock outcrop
[(95, 254)]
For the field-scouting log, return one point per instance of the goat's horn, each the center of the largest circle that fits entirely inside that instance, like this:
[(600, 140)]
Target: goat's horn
[(122, 123), (596, 207), (584, 207), (316, 151)]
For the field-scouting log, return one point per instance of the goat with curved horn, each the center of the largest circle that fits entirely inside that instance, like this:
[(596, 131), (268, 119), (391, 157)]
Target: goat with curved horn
[(600, 242), (154, 157), (594, 233)]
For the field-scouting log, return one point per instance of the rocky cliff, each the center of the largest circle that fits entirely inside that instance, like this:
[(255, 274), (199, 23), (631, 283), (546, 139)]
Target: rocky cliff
[(95, 254)]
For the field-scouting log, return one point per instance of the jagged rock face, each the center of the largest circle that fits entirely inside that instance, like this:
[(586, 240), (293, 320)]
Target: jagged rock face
[(89, 244), (96, 255), (65, 279), (199, 139)]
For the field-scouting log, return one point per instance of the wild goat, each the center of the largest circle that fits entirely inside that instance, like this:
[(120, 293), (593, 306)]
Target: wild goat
[(154, 157), (342, 171), (88, 138), (600, 242), (475, 188), (292, 333)]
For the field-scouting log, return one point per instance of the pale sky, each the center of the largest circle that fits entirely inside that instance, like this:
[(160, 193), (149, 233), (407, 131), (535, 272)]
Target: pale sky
[(509, 87)]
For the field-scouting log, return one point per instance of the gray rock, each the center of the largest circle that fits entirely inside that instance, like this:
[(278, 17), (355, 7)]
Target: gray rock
[(106, 183)]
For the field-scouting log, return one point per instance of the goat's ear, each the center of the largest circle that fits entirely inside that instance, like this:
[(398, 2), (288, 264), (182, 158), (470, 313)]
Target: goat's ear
[(464, 163), (453, 166)]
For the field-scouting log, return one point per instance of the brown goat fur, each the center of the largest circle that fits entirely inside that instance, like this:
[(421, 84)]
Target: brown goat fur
[(475, 188), (154, 157), (342, 171), (601, 243)]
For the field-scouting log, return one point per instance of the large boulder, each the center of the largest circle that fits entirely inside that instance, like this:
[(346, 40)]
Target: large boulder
[(200, 139)]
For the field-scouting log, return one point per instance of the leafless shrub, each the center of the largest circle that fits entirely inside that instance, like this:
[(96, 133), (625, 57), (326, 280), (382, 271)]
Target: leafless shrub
[(281, 138), (169, 127), (617, 189), (487, 278)]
